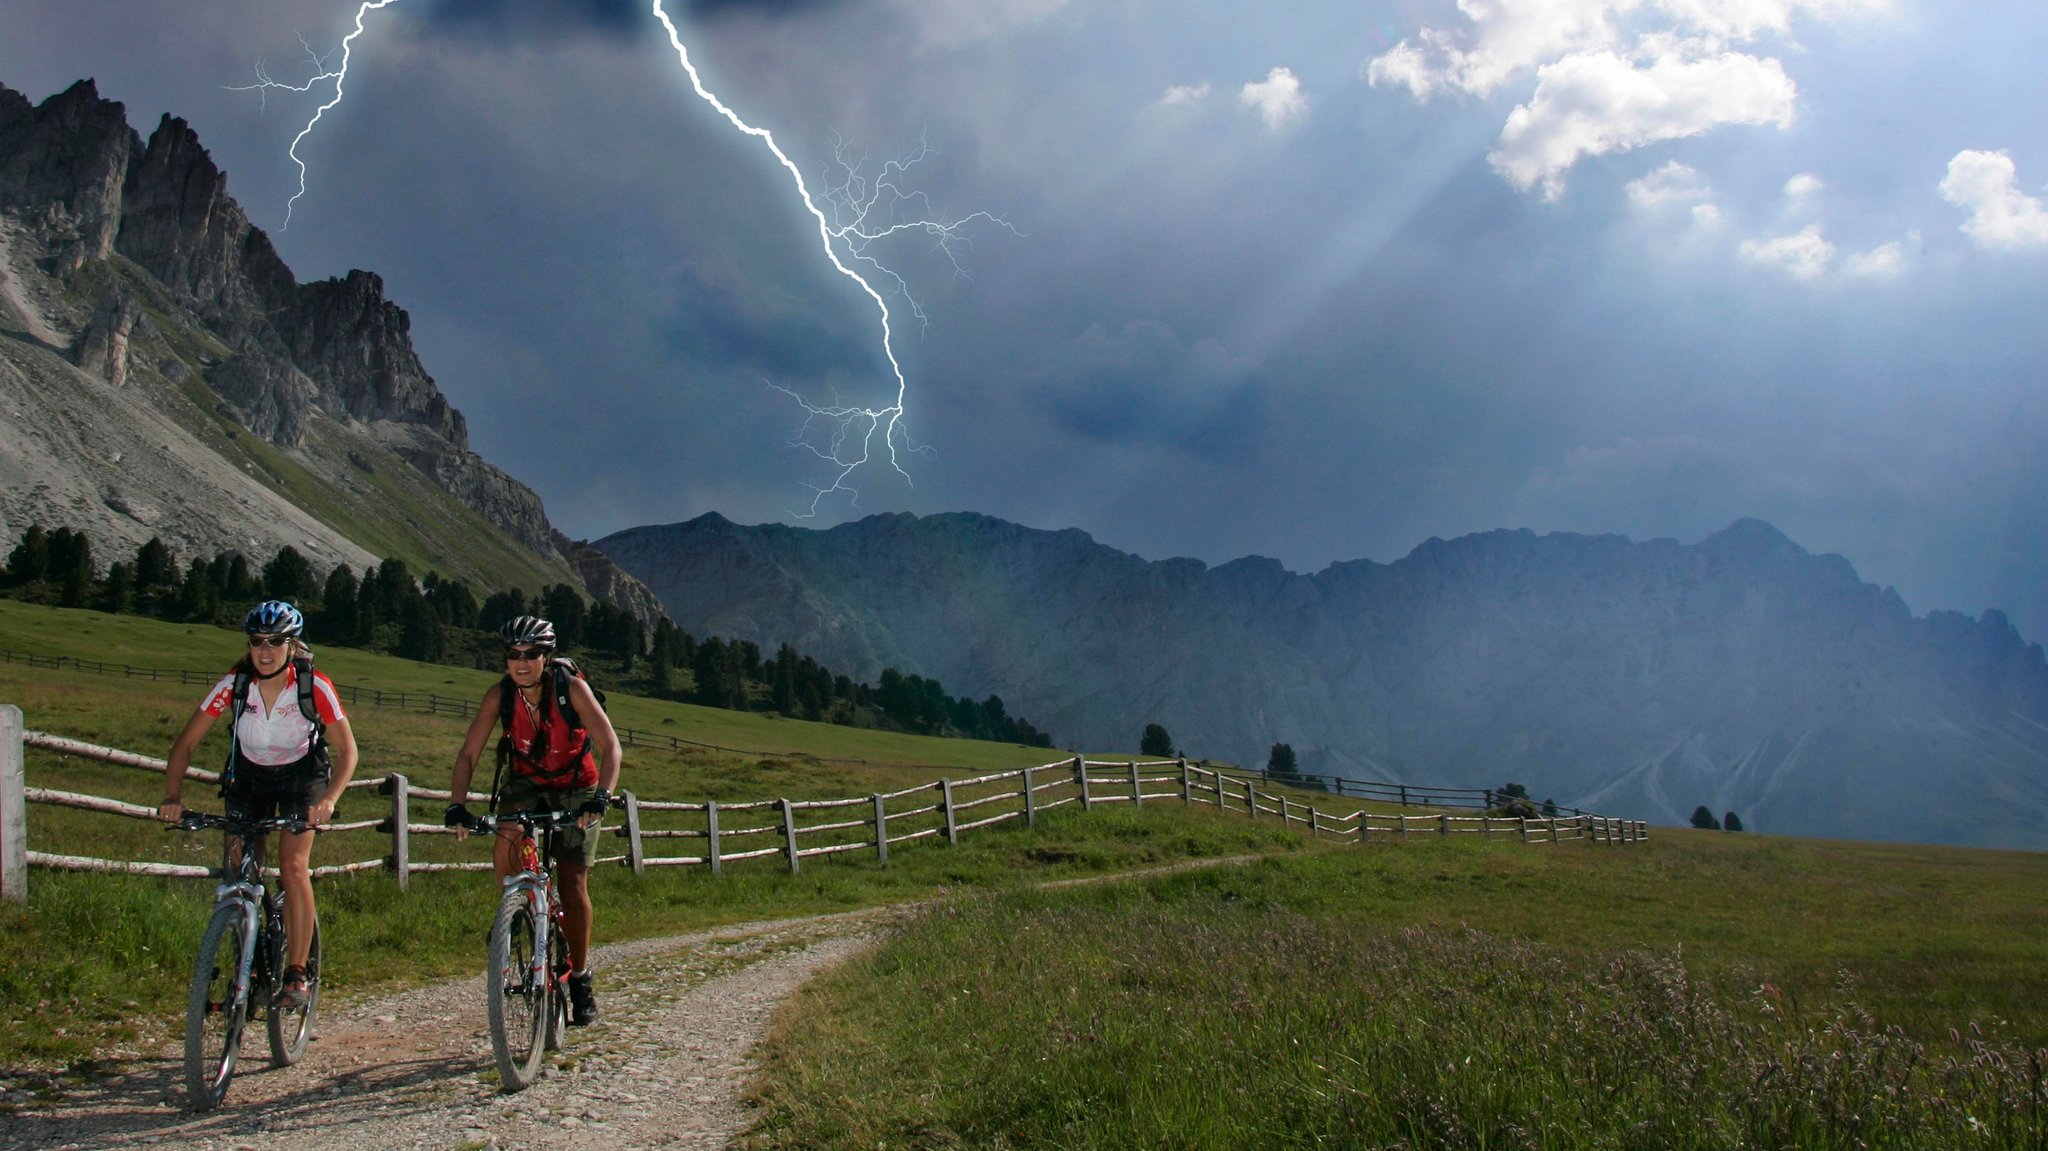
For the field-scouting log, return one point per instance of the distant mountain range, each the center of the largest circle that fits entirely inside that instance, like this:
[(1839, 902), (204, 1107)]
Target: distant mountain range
[(1642, 679), (163, 373)]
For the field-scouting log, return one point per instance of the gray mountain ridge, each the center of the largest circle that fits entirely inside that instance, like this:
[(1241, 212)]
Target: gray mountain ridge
[(1638, 678), (163, 373)]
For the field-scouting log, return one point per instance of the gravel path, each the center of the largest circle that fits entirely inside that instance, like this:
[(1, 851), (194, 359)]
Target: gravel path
[(666, 1066)]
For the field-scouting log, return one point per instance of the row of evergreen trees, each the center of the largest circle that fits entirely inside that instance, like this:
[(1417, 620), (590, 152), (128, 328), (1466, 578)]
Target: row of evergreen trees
[(437, 619)]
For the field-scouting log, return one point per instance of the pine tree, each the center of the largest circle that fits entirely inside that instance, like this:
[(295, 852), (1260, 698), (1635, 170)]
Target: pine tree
[(1157, 742), (1730, 823), (1704, 819), (30, 559)]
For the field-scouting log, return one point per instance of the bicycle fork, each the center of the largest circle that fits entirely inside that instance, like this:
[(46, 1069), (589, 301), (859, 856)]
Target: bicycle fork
[(247, 899)]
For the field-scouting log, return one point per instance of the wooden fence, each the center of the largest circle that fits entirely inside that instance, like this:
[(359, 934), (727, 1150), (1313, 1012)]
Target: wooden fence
[(713, 834)]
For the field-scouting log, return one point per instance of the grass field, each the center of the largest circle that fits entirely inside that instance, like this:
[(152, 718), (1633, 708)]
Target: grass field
[(1697, 990), (98, 963)]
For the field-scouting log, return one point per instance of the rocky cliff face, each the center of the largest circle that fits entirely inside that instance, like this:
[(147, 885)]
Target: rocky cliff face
[(129, 258), (1642, 678)]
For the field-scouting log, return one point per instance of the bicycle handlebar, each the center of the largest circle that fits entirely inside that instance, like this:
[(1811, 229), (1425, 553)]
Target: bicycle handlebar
[(459, 816), (202, 821)]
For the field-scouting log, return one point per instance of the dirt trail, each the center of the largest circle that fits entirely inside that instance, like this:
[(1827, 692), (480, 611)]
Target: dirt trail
[(664, 1067)]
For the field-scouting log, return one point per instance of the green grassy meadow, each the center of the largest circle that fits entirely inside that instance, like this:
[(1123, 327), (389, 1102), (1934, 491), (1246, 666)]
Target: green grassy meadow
[(1697, 990), (98, 963)]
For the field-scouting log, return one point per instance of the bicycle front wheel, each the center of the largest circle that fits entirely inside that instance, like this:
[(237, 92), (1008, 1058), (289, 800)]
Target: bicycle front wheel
[(217, 1008), (292, 1027), (516, 995)]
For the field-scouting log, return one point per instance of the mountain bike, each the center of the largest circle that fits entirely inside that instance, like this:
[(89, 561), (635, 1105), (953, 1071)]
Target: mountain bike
[(241, 963), (526, 982)]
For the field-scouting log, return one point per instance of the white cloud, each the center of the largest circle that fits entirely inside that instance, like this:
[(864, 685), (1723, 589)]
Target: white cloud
[(1674, 183), (1595, 103), (1885, 260), (1803, 255), (1706, 216), (1986, 186), (1185, 95), (1278, 99), (1611, 74), (1803, 185)]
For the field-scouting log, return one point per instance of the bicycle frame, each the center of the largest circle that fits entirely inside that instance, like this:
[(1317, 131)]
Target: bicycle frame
[(537, 881)]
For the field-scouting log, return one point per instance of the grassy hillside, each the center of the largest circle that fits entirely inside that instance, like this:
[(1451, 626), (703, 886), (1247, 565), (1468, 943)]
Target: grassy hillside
[(99, 963), (1700, 990)]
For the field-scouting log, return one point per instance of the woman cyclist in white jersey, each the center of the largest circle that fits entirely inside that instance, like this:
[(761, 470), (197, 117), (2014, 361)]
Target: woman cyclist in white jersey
[(282, 764)]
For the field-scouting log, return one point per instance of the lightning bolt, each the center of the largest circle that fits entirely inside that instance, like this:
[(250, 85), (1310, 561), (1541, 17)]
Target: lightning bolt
[(848, 430), (864, 210), (264, 83)]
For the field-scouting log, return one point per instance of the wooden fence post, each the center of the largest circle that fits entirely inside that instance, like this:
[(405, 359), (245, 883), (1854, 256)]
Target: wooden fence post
[(1364, 826), (1404, 798), (1187, 790), (946, 801), (401, 827), (789, 832), (711, 829), (636, 857), (881, 829), (1486, 826), (1443, 826), (13, 808), (1315, 822), (1404, 825), (1525, 827), (1030, 801), (1137, 786), (1251, 799), (1081, 779), (1554, 838)]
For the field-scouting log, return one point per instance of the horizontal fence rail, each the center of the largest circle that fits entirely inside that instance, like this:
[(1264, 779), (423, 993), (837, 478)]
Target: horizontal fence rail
[(669, 833)]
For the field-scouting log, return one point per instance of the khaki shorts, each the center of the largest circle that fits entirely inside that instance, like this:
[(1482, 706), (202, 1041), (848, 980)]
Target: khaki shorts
[(573, 845)]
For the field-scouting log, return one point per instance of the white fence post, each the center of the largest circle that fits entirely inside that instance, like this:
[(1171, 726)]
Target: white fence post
[(946, 801), (1137, 785), (401, 828), (881, 829), (636, 858), (13, 809), (1081, 778), (1187, 787), (1030, 802), (711, 830), (789, 832)]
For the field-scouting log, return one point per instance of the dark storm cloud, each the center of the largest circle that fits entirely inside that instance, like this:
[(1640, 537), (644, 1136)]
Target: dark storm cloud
[(723, 319), (538, 17), (1145, 384), (713, 9)]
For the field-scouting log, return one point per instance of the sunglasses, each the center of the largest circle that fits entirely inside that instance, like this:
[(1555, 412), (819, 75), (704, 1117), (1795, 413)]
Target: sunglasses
[(269, 640), (521, 654)]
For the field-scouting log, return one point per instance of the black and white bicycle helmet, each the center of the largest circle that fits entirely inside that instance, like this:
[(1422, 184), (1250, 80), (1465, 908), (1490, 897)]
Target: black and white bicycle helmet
[(274, 617), (528, 631)]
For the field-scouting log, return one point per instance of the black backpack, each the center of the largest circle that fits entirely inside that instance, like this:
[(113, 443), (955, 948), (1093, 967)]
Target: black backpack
[(554, 686), (245, 678)]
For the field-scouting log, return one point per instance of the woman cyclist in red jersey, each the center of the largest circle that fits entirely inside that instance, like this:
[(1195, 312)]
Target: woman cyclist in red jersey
[(551, 758), (281, 764)]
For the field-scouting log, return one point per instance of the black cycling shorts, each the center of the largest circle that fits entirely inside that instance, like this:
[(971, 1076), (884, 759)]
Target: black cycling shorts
[(289, 792)]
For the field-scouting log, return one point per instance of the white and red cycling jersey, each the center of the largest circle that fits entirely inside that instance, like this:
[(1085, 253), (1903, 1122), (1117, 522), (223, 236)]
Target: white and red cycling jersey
[(280, 736)]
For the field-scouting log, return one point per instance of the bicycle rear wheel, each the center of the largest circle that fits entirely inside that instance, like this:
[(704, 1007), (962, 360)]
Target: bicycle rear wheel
[(515, 996), (292, 1027), (217, 1009)]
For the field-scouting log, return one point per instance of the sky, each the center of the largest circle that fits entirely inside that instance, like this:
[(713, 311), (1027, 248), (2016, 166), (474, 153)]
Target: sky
[(1316, 281)]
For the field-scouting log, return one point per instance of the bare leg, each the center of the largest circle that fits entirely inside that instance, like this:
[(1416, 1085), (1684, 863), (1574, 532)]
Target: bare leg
[(293, 850), (573, 879)]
